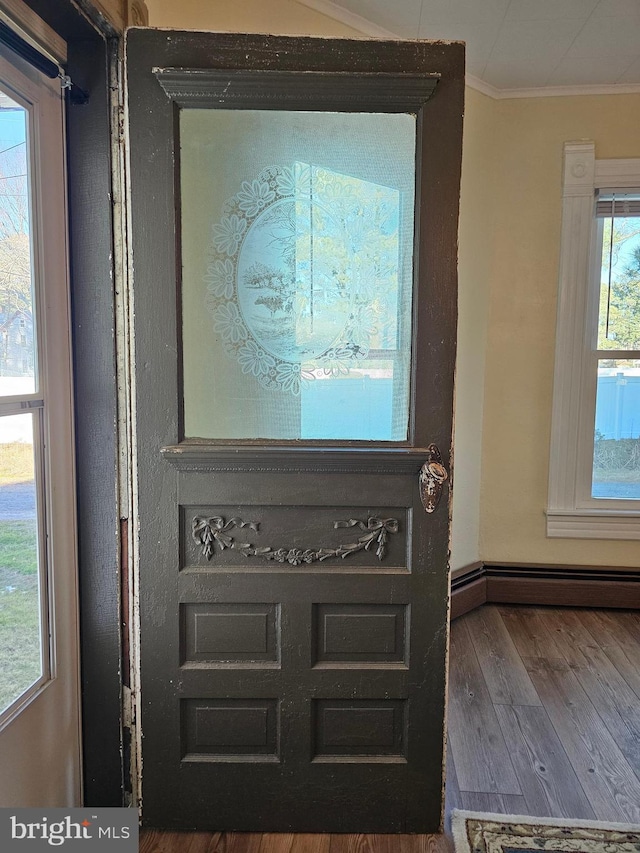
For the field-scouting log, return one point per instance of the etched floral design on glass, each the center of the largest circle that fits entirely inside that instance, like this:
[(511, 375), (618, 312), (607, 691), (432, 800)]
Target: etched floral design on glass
[(303, 273), (229, 323), (255, 360), (220, 278), (254, 197), (294, 181), (227, 234), (290, 376)]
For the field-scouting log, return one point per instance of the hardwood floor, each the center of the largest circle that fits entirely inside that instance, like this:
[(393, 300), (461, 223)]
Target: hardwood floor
[(553, 695), (544, 719), (153, 841)]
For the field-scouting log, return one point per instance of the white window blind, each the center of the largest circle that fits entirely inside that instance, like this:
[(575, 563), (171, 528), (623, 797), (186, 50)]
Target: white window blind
[(617, 204)]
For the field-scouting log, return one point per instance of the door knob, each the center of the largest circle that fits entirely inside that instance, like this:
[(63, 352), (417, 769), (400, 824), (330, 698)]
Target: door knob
[(432, 477)]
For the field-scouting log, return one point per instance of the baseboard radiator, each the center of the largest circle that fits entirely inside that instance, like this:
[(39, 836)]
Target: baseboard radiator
[(561, 586)]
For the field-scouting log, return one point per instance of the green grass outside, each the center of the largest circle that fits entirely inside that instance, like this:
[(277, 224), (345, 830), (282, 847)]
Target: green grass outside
[(20, 662), (18, 542)]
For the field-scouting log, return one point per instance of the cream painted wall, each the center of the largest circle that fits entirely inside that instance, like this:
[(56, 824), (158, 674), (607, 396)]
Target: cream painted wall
[(522, 313), (479, 166), (285, 17)]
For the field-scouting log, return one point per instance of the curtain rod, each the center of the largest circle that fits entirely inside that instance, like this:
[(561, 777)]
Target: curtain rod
[(20, 46)]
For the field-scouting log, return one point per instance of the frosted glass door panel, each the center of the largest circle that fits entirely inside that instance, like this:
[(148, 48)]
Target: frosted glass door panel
[(297, 274)]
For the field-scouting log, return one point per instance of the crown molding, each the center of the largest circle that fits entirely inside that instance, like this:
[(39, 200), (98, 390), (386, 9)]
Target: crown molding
[(367, 28), (481, 86), (351, 19), (565, 91), (549, 91)]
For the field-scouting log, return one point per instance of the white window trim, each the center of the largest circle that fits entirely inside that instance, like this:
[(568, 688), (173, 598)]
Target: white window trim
[(571, 511), (42, 762)]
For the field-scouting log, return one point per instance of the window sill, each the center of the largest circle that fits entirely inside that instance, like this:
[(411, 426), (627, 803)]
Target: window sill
[(593, 524)]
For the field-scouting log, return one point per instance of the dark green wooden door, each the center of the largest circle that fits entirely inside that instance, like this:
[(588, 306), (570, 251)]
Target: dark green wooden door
[(294, 227)]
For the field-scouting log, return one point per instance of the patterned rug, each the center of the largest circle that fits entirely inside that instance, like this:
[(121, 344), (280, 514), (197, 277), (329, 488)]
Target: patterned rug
[(474, 832)]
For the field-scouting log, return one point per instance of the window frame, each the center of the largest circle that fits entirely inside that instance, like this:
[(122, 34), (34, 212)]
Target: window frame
[(51, 407), (571, 511), (33, 402)]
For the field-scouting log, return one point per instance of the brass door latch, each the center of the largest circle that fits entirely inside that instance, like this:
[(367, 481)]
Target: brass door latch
[(432, 477)]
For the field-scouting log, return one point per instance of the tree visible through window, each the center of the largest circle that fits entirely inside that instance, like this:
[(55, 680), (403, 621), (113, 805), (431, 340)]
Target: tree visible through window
[(616, 455)]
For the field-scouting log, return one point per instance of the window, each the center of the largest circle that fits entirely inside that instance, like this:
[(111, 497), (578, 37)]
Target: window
[(303, 267), (616, 451), (38, 569), (594, 481), (24, 624)]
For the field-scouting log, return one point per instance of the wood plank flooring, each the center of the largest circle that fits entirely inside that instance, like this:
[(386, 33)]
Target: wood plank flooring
[(544, 719)]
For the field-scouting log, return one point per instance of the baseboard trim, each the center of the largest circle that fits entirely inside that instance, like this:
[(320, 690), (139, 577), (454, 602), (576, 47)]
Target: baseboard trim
[(468, 597), (560, 586)]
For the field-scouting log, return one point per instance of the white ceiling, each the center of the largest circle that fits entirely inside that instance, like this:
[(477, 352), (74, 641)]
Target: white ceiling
[(517, 44)]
